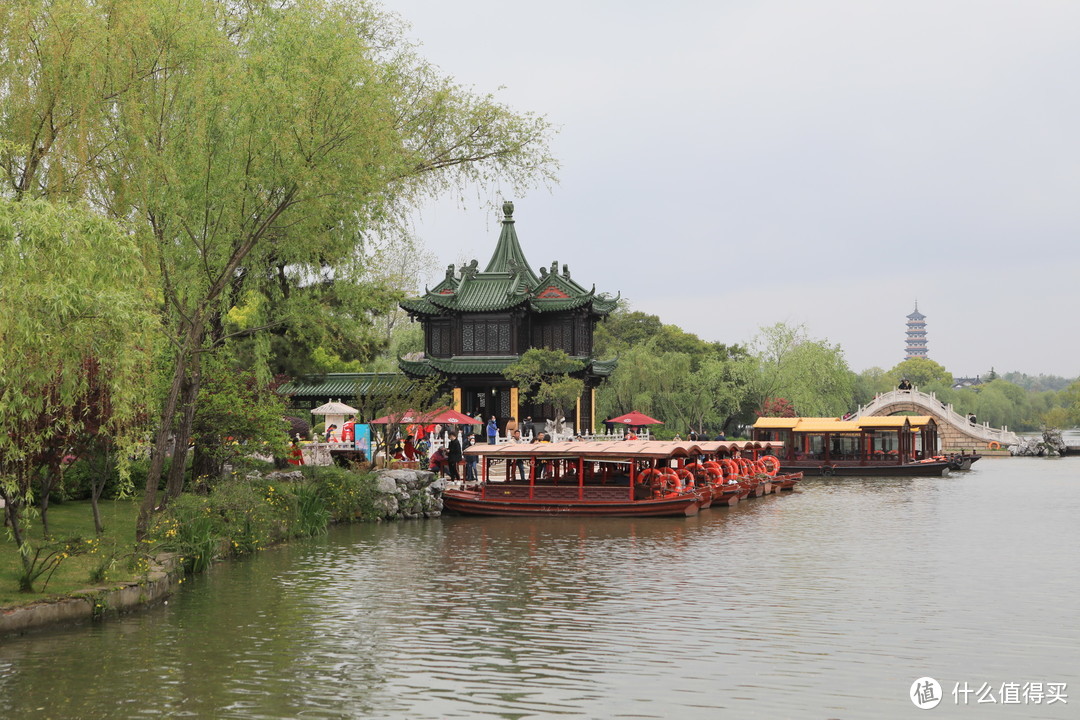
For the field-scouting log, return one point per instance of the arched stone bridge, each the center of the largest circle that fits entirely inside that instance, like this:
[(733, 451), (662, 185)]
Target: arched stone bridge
[(955, 431)]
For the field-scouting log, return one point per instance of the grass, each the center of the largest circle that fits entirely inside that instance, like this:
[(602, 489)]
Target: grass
[(75, 519), (239, 516)]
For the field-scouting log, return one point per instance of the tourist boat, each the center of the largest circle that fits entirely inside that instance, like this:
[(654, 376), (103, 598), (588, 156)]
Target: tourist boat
[(619, 478), (892, 445)]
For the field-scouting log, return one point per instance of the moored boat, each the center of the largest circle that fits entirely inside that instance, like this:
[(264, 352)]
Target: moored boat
[(620, 478), (886, 446)]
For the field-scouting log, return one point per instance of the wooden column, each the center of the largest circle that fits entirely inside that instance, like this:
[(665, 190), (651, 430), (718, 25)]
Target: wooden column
[(515, 411), (592, 411), (457, 399)]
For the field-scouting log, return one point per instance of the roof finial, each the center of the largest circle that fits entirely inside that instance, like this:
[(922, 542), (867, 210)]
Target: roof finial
[(508, 211)]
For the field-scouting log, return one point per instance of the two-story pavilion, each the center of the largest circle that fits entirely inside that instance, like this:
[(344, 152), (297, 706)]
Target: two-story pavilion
[(476, 323)]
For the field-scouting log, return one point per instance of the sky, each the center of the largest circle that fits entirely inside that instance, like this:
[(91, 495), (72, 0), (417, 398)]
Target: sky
[(730, 165)]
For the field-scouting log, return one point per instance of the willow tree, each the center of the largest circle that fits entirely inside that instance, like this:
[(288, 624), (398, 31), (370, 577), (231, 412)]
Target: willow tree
[(785, 362), (74, 295), (251, 141)]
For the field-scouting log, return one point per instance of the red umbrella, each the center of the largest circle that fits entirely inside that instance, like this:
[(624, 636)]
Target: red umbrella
[(635, 418), (409, 416), (450, 416), (435, 417)]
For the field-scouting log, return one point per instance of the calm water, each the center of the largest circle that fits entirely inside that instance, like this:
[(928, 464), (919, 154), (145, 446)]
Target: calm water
[(826, 603)]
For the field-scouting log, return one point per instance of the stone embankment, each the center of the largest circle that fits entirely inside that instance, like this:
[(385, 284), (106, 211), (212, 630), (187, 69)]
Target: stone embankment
[(400, 495), (96, 602), (408, 494)]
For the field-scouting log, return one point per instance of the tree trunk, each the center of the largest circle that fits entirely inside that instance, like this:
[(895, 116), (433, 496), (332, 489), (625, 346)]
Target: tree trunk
[(97, 486), (161, 440), (12, 504), (182, 440), (44, 515), (95, 495), (47, 484)]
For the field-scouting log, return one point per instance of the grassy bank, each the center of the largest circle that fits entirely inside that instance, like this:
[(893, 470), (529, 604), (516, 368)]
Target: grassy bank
[(237, 517), (103, 559)]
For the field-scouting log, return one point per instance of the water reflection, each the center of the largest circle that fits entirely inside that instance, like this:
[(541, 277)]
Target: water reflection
[(825, 603)]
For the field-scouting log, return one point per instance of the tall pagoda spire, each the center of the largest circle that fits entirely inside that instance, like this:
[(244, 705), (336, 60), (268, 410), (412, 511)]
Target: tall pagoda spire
[(916, 334), (508, 256)]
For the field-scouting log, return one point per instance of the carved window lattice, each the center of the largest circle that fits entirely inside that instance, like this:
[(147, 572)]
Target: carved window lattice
[(439, 340), (480, 338)]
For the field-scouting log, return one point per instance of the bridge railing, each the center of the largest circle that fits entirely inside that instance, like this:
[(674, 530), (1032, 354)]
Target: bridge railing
[(931, 403)]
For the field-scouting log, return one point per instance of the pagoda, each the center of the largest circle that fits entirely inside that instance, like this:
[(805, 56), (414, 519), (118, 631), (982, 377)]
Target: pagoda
[(476, 323), (916, 334)]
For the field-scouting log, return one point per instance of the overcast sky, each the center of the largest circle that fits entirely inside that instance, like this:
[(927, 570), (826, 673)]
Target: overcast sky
[(730, 165)]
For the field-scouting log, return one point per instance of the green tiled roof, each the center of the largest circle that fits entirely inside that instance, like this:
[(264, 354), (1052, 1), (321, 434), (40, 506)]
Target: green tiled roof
[(345, 385), (508, 281), (420, 306), (604, 367), (481, 365), (508, 257)]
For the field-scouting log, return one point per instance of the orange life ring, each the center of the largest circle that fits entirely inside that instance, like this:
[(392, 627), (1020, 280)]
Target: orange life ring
[(686, 477), (731, 468), (671, 479), (771, 463), (648, 476), (993, 445)]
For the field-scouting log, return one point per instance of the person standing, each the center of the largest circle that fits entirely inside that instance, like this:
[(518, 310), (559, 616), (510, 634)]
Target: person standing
[(492, 430), (511, 426), (453, 456), (519, 464), (471, 460)]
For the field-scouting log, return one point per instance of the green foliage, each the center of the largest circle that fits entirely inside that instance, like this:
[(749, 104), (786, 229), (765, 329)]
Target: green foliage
[(348, 495), (243, 515), (312, 516), (236, 414), (1070, 401), (74, 335), (252, 147), (43, 560), (868, 384), (544, 377), (1037, 383), (80, 475), (920, 372), (812, 374)]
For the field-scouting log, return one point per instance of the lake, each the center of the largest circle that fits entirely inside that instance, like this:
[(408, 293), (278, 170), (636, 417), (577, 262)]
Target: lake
[(826, 603)]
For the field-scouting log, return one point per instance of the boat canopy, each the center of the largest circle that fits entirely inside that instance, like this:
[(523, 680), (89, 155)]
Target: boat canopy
[(618, 449), (835, 425)]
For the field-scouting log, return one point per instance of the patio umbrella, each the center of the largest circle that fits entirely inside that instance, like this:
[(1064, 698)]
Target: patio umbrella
[(409, 416), (635, 418), (432, 417), (450, 416)]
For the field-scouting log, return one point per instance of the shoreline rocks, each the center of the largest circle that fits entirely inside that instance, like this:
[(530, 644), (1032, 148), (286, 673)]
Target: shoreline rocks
[(408, 494)]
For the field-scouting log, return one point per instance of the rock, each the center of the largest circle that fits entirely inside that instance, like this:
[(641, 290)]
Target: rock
[(286, 475), (386, 486), (1051, 444), (387, 505)]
